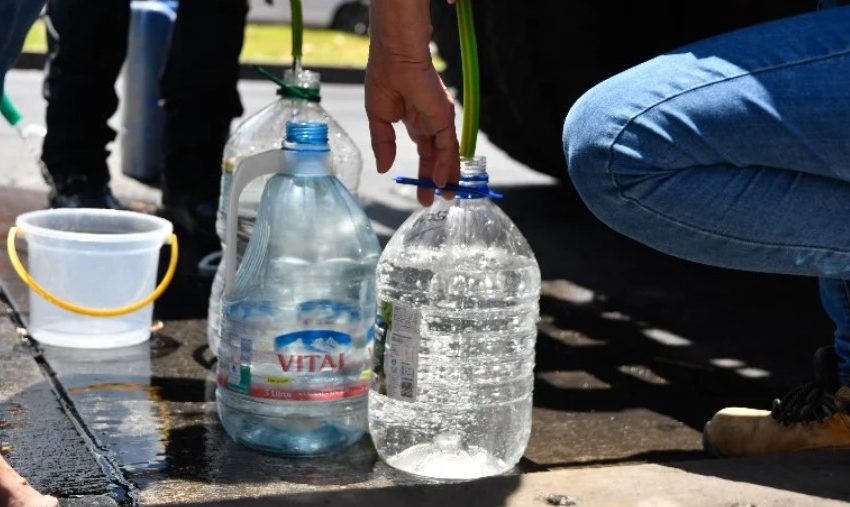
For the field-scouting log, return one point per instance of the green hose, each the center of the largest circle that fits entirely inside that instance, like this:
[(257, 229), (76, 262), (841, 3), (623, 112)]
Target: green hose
[(471, 81), (297, 32), (9, 111)]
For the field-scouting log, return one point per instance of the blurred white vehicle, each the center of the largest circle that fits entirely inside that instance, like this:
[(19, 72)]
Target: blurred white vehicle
[(347, 15)]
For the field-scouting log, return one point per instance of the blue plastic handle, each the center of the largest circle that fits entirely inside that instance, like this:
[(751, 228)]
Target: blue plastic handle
[(483, 191)]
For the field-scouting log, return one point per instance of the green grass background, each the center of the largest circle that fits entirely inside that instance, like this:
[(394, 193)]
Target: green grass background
[(272, 44)]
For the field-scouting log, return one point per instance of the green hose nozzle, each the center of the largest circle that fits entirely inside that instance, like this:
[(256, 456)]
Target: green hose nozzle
[(9, 111)]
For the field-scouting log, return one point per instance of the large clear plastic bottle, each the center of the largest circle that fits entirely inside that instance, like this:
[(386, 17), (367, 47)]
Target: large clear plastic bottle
[(294, 362), (458, 291), (264, 131)]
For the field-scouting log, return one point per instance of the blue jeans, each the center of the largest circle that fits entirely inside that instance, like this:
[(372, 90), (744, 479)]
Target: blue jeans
[(733, 152), (16, 18)]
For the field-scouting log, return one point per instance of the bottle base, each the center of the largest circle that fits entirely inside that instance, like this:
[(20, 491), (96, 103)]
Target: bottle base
[(444, 458), (299, 433)]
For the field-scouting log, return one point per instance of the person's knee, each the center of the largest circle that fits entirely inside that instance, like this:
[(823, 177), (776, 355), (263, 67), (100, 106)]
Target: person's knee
[(590, 131), (609, 155)]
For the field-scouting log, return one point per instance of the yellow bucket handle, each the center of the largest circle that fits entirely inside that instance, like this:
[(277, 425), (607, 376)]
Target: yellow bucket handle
[(93, 312)]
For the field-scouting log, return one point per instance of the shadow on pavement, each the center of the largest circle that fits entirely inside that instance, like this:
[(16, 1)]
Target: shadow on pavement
[(490, 492), (819, 474)]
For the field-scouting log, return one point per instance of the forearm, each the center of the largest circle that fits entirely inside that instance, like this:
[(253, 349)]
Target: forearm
[(400, 30)]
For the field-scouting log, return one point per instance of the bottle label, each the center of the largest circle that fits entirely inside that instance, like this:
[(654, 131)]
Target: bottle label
[(396, 352), (299, 356), (312, 351)]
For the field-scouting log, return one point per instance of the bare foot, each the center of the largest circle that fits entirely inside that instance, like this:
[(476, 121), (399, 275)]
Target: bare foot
[(15, 491)]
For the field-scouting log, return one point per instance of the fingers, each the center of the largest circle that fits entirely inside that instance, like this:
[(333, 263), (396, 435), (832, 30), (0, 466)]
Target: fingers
[(422, 103), (425, 196), (425, 149), (437, 148), (383, 143), (447, 162), (438, 116)]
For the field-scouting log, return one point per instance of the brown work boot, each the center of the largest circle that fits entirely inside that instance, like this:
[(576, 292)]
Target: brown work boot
[(813, 416)]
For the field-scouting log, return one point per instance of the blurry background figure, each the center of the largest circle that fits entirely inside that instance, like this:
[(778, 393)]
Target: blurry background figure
[(87, 46), (16, 18)]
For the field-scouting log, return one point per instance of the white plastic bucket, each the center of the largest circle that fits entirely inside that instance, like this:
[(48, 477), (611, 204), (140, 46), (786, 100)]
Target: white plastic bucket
[(94, 262)]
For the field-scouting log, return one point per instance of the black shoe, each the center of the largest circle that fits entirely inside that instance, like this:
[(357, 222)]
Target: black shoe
[(80, 193), (197, 220), (194, 225)]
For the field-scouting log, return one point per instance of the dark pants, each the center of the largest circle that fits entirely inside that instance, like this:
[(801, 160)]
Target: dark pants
[(87, 45), (16, 18)]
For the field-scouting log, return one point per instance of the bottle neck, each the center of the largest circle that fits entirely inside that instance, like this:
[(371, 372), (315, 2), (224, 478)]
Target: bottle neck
[(306, 162), (473, 174), (301, 85)]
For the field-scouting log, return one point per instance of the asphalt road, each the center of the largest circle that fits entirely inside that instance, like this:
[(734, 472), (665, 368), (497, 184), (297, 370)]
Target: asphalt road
[(344, 102)]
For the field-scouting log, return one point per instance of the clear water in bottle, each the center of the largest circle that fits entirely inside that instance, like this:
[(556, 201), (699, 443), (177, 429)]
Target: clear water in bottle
[(265, 131), (294, 361), (458, 291)]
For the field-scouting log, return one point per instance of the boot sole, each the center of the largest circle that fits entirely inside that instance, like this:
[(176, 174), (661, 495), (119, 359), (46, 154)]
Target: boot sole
[(707, 446)]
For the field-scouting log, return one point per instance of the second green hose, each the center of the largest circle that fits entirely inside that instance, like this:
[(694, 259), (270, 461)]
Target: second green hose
[(471, 82)]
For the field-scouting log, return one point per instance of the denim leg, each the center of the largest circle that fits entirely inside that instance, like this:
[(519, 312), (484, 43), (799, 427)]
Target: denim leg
[(835, 296), (16, 18), (733, 151)]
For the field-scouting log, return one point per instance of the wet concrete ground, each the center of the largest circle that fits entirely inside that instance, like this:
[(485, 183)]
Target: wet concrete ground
[(36, 436), (635, 352)]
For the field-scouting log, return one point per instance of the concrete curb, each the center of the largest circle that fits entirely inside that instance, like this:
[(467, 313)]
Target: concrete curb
[(87, 501)]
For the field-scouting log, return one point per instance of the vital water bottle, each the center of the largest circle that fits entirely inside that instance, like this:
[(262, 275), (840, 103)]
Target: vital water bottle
[(298, 320), (299, 100), (458, 291)]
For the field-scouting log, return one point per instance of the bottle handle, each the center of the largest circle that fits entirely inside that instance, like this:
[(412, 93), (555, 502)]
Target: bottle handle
[(247, 170), (84, 310)]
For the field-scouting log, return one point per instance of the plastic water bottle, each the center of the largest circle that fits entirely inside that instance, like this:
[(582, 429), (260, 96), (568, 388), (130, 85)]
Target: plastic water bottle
[(263, 131), (298, 323), (458, 291)]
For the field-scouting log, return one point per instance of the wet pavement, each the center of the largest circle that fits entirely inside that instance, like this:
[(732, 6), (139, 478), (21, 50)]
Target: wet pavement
[(636, 350), (36, 436)]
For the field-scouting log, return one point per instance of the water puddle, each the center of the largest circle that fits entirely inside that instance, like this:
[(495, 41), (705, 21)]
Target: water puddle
[(151, 410), (112, 392)]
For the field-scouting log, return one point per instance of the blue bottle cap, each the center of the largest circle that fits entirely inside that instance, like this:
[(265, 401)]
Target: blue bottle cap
[(310, 133)]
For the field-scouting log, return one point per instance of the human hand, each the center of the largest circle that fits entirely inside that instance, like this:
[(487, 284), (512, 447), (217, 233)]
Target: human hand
[(402, 85), (15, 491)]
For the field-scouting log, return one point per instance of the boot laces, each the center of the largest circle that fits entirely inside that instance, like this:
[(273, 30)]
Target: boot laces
[(808, 403)]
